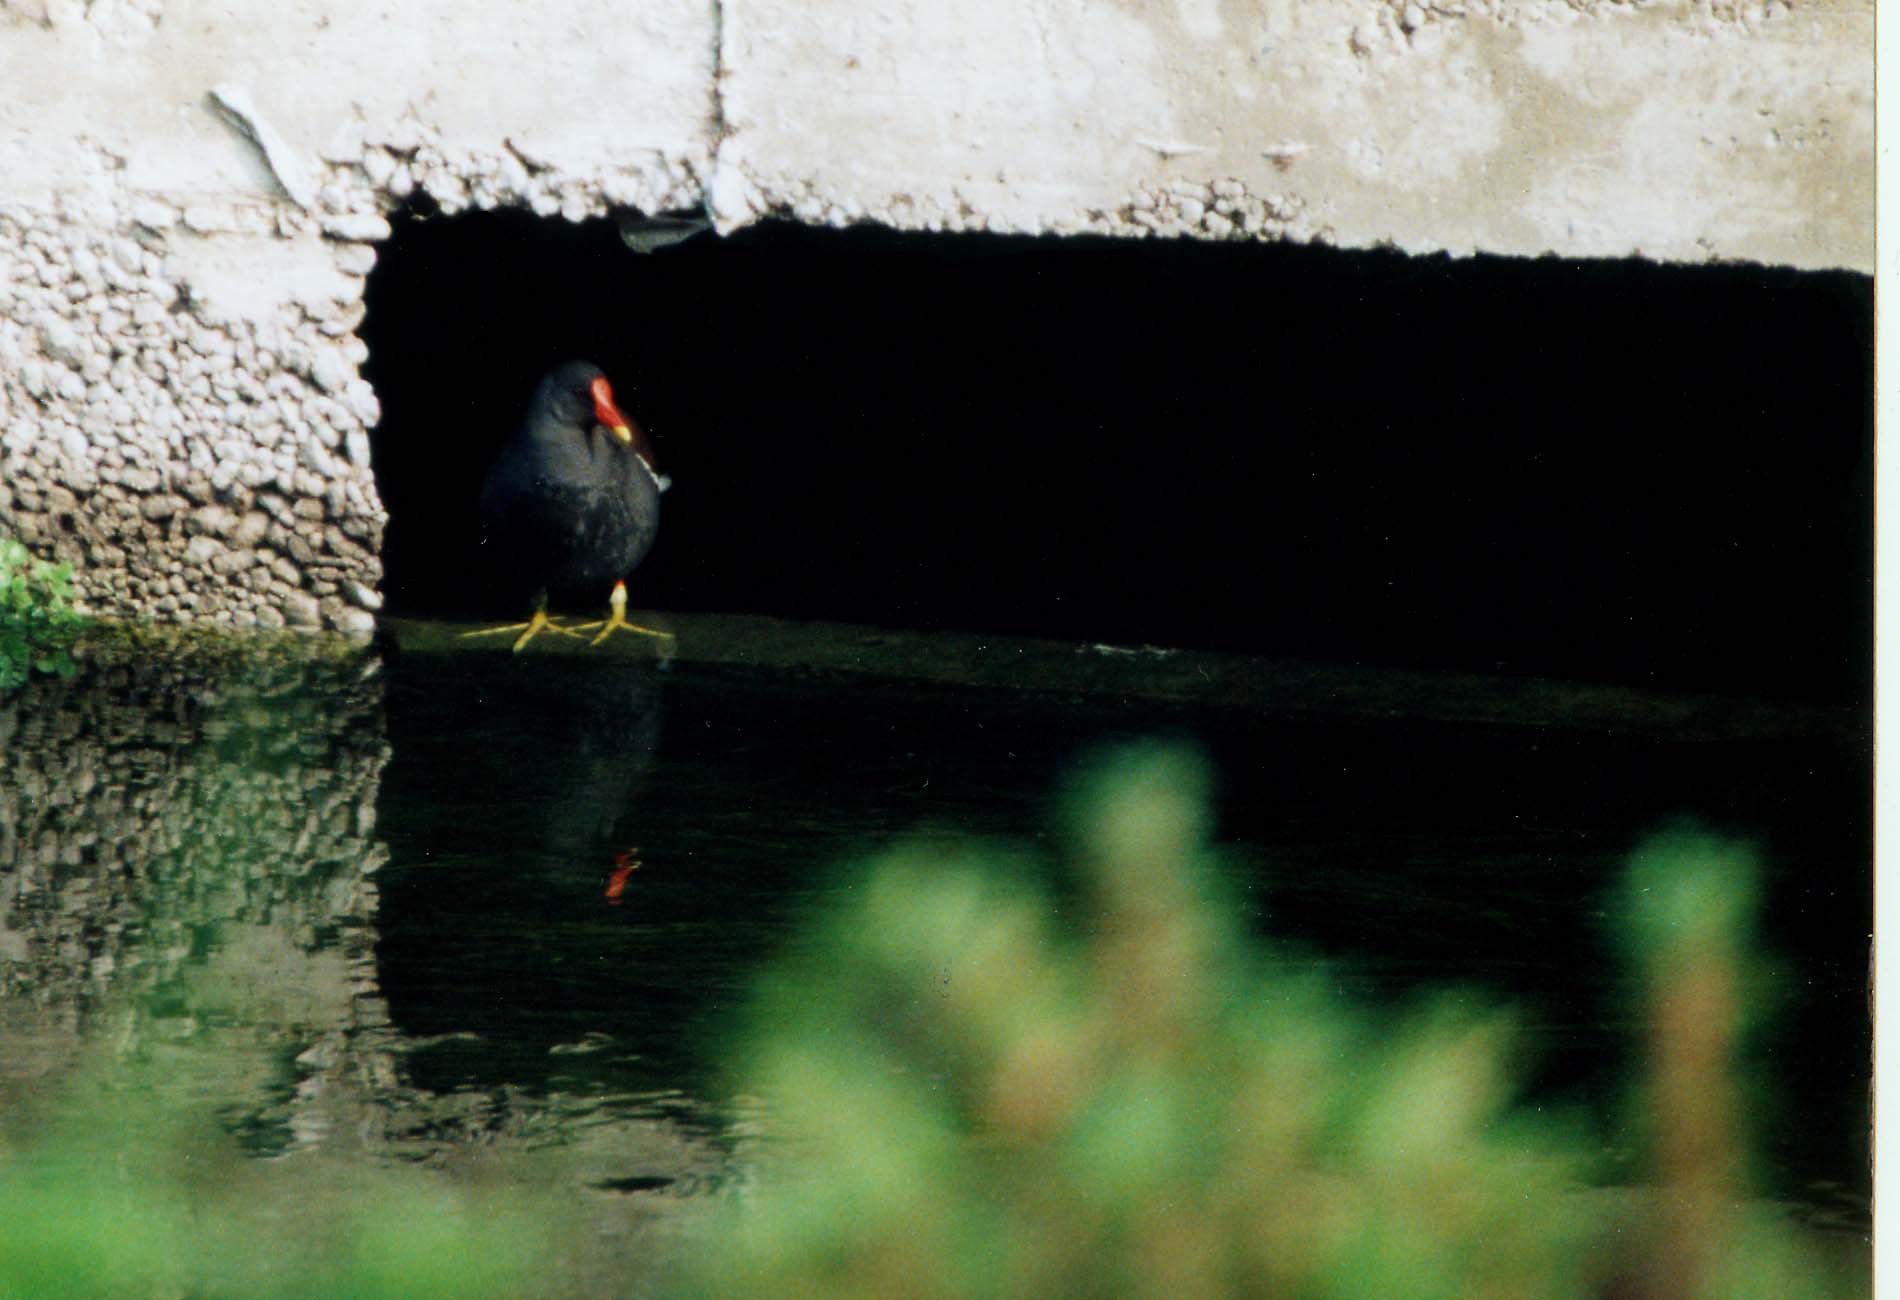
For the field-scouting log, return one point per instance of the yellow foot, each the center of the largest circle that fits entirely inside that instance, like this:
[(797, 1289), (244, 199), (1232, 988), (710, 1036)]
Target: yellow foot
[(535, 625), (616, 619)]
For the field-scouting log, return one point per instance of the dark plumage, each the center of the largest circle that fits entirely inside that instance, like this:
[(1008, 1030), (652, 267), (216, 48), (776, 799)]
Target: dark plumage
[(572, 503)]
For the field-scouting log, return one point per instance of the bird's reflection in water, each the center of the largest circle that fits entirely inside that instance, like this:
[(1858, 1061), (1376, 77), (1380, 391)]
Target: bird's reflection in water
[(517, 788), (566, 745)]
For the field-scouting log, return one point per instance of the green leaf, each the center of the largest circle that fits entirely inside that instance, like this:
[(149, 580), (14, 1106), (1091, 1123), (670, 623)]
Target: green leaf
[(37, 621)]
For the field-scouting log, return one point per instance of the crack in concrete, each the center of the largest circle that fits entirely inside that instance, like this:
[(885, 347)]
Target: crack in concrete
[(718, 114), (725, 195)]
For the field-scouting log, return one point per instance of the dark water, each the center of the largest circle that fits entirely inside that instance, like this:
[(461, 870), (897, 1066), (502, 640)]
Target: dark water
[(1418, 854), (433, 840)]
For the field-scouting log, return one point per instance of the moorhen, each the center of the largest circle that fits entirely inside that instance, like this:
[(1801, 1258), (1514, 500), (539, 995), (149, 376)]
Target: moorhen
[(571, 503)]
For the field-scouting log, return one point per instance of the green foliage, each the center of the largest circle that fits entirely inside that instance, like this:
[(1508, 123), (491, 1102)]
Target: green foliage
[(964, 1098), (127, 1185), (126, 1117), (144, 1218), (972, 1088), (37, 622)]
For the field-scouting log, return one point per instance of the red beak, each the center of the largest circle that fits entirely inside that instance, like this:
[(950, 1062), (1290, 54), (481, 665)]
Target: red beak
[(607, 413)]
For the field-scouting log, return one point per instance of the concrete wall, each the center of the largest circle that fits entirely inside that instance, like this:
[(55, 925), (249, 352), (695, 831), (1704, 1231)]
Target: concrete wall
[(191, 192)]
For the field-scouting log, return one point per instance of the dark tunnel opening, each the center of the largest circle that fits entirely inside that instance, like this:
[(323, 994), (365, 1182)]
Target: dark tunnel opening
[(1606, 470)]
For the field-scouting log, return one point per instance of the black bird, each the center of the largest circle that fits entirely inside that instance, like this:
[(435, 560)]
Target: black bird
[(571, 503)]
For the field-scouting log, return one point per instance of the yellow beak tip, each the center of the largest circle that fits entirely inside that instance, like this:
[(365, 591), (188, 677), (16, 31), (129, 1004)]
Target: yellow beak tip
[(623, 433)]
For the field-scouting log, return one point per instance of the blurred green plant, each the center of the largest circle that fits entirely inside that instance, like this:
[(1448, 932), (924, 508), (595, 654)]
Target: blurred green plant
[(127, 1114), (133, 1199), (961, 1099), (37, 622), (971, 1088)]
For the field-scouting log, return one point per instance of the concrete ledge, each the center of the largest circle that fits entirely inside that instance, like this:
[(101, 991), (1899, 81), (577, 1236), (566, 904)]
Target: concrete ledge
[(1266, 685)]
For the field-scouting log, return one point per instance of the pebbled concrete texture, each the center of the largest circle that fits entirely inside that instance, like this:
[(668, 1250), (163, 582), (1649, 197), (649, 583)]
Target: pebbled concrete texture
[(191, 192)]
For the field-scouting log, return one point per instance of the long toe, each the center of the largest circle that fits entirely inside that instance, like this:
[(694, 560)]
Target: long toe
[(539, 623), (617, 622), (616, 619)]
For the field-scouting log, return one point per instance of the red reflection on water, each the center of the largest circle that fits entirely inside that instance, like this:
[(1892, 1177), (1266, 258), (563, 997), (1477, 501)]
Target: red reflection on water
[(624, 865)]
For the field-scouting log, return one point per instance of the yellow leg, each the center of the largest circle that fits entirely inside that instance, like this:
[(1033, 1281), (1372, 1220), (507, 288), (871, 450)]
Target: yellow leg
[(616, 620), (537, 623)]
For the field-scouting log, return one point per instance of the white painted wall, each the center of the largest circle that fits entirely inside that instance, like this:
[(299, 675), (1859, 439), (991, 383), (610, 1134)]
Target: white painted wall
[(1678, 131)]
